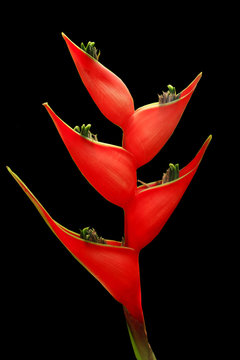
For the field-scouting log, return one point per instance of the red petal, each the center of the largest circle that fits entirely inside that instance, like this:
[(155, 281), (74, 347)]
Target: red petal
[(110, 169), (108, 91), (151, 126), (115, 267), (151, 208)]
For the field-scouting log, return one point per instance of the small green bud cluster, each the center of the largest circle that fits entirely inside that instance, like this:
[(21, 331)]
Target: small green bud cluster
[(171, 174), (169, 95), (85, 131), (91, 50), (90, 234)]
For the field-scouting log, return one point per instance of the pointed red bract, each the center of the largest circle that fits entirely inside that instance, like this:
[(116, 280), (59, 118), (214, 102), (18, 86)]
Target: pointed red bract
[(116, 267), (151, 126), (110, 169), (149, 210), (106, 89)]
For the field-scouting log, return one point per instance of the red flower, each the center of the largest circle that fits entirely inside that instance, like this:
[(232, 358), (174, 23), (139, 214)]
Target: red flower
[(152, 205), (110, 169)]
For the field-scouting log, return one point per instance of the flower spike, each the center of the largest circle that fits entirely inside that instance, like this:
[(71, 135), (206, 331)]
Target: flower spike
[(106, 89), (152, 206), (110, 169), (116, 267), (150, 127)]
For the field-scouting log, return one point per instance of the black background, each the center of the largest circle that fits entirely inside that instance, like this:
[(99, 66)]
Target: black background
[(51, 305)]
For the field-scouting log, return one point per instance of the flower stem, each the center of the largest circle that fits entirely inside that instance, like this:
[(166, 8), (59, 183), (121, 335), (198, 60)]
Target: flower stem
[(138, 337)]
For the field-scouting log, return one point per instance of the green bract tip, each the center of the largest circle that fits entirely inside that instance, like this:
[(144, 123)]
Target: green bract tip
[(85, 131), (171, 174), (90, 234), (169, 95), (172, 89), (90, 49)]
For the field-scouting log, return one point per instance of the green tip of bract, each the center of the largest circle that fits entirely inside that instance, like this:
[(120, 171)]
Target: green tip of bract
[(84, 233), (90, 49), (84, 130), (171, 89), (90, 234), (169, 95), (171, 174), (77, 129)]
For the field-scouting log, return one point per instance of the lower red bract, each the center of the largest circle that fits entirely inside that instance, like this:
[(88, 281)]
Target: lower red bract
[(151, 207), (150, 127), (116, 267)]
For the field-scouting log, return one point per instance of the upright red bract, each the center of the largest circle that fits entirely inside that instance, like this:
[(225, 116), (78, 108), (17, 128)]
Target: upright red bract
[(151, 207), (150, 127), (108, 91)]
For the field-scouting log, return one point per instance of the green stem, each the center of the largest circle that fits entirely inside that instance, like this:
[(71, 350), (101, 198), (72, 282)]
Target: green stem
[(138, 337)]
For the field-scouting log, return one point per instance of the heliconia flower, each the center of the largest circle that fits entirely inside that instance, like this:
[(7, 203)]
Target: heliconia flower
[(153, 204), (106, 89), (150, 126), (115, 266), (110, 169)]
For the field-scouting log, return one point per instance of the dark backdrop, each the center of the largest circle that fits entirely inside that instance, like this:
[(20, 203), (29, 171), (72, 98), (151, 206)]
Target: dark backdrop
[(52, 305)]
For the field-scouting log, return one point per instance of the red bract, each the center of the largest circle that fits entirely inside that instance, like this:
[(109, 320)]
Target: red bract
[(110, 169), (115, 266), (152, 206), (108, 91), (149, 128)]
